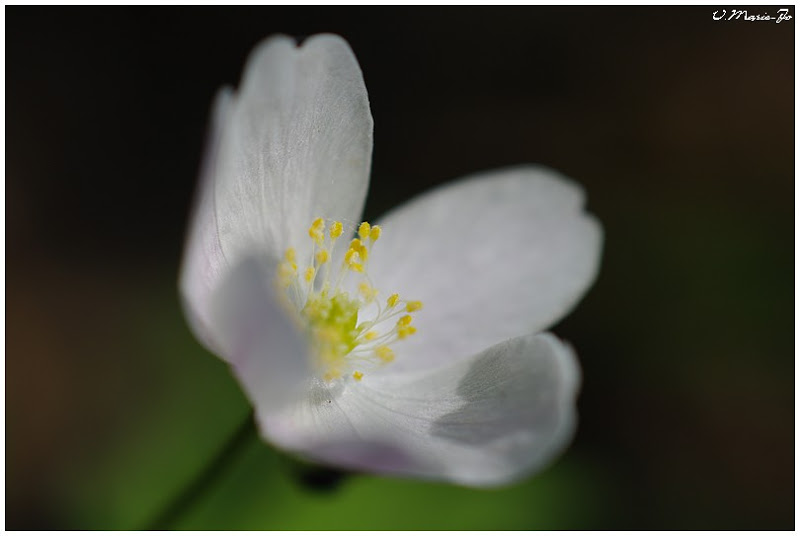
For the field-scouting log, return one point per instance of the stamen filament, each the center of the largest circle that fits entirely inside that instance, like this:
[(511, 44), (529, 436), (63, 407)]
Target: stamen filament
[(331, 315)]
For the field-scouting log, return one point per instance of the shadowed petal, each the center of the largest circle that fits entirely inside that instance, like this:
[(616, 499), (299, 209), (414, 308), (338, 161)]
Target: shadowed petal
[(255, 335), (486, 421)]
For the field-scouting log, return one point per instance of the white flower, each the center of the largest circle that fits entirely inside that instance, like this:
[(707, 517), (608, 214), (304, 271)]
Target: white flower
[(478, 395)]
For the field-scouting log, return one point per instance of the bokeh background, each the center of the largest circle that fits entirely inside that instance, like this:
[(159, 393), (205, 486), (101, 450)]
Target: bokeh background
[(679, 127)]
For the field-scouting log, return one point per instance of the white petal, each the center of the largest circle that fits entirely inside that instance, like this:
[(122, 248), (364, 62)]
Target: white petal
[(492, 256), (294, 144), (485, 421), (298, 145), (203, 258), (253, 332)]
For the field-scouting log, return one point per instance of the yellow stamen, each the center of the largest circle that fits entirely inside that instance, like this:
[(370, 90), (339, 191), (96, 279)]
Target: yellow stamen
[(413, 306), (375, 233), (385, 354), (322, 256), (343, 330), (363, 231), (367, 291), (405, 331), (336, 230)]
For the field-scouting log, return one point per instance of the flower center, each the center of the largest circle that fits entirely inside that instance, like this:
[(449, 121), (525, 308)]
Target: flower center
[(349, 334)]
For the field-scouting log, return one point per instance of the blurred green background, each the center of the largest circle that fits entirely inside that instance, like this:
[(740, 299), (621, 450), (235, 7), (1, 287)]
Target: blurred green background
[(679, 127)]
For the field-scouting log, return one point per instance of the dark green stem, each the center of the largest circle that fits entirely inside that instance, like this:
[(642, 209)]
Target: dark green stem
[(212, 472)]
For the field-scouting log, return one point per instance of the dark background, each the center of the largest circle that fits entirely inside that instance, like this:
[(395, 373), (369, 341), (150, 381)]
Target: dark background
[(679, 127)]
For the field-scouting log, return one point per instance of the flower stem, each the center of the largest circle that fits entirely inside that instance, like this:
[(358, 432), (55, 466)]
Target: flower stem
[(207, 477)]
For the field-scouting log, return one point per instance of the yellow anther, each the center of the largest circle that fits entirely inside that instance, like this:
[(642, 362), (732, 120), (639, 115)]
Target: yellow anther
[(336, 230), (405, 331), (349, 257), (367, 291), (412, 306), (371, 335), (317, 231), (309, 274), (363, 253), (385, 354), (375, 233), (392, 300), (322, 256), (316, 236), (290, 255), (364, 288), (404, 320), (358, 375), (363, 230)]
